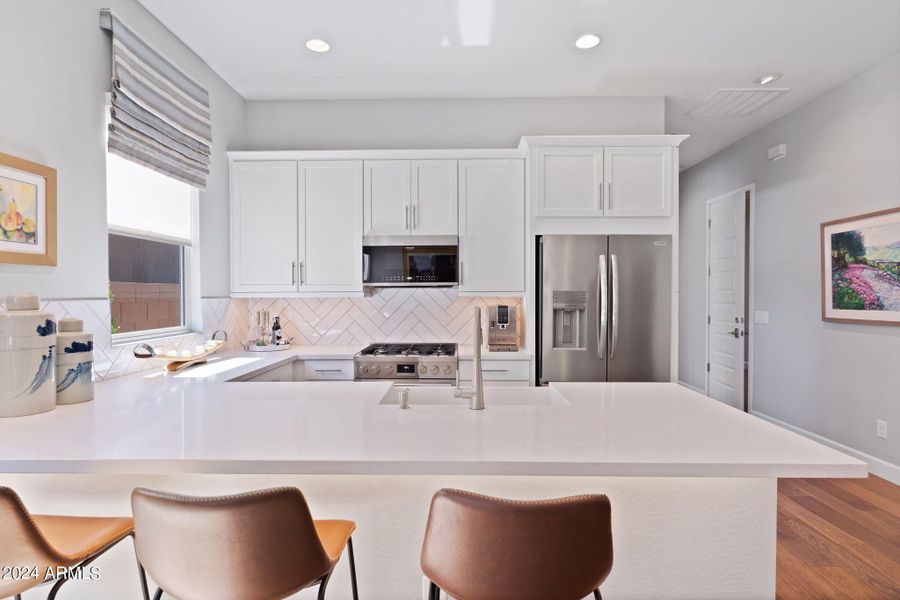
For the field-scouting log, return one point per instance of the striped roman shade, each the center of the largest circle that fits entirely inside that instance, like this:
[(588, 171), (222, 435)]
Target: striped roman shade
[(159, 115)]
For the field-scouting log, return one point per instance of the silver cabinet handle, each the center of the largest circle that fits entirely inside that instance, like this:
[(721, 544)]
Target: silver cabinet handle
[(406, 217), (460, 272), (600, 193), (615, 305), (609, 205), (495, 370), (300, 269), (601, 301), (329, 371), (293, 272), (414, 216)]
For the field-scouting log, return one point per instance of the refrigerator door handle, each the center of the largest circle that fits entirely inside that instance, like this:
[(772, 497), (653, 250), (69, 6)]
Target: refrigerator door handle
[(615, 305), (601, 296)]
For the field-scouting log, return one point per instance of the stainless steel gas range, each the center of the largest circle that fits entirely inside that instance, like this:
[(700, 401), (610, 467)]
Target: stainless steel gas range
[(407, 363)]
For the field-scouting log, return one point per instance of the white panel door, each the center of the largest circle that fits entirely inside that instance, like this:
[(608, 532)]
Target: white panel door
[(434, 198), (264, 226), (330, 225), (387, 197), (569, 182), (492, 225), (638, 181), (725, 328)]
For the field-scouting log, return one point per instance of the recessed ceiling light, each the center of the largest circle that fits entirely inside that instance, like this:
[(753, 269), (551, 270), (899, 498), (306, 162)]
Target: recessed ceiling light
[(317, 45), (768, 78), (587, 41)]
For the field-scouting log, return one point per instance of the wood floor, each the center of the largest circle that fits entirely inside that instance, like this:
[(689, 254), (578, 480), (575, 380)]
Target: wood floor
[(838, 538)]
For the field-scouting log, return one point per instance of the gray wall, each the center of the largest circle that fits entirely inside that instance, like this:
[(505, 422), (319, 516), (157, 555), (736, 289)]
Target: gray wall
[(442, 123), (55, 65), (843, 159)]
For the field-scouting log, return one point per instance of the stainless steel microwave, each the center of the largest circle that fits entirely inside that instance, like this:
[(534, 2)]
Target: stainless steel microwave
[(410, 266)]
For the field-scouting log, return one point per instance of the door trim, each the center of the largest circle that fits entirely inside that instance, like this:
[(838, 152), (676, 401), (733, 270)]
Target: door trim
[(749, 277)]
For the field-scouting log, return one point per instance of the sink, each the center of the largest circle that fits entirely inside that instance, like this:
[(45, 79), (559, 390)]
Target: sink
[(493, 396)]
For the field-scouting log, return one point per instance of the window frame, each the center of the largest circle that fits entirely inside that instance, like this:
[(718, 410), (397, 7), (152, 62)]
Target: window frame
[(191, 311)]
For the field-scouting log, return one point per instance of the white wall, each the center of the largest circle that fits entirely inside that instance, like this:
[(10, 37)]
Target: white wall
[(442, 123), (843, 159), (55, 65)]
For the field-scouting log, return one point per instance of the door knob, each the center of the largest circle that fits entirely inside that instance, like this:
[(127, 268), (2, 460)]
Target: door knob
[(736, 333)]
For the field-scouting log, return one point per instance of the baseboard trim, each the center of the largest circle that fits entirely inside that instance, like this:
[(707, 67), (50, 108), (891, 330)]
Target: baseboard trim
[(691, 387), (877, 466)]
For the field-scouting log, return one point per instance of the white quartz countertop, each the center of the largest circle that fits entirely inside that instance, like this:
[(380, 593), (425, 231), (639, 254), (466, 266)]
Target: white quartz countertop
[(197, 421)]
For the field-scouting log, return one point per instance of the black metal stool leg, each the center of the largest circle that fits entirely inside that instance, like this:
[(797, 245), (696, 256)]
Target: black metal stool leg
[(322, 586), (352, 569), (597, 594), (434, 592), (158, 594)]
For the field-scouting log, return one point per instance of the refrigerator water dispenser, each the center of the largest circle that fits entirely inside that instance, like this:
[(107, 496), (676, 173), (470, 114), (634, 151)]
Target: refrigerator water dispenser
[(569, 319)]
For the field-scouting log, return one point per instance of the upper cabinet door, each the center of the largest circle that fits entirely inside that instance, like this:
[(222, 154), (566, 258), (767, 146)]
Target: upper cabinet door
[(264, 226), (387, 197), (569, 182), (331, 225), (639, 181), (492, 225), (434, 198)]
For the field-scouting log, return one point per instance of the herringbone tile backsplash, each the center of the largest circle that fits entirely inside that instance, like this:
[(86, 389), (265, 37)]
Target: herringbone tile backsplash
[(388, 315)]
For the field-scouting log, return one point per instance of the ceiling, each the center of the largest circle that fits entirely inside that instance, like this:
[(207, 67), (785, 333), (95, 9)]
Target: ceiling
[(681, 49)]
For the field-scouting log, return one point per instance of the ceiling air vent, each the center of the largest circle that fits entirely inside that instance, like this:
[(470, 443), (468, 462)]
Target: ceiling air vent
[(735, 102)]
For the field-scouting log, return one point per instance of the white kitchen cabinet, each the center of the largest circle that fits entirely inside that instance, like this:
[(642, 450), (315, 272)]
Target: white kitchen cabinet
[(326, 370), (434, 198), (410, 197), (387, 197), (638, 181), (264, 232), (283, 372), (508, 371), (612, 181), (569, 182), (331, 224), (492, 226)]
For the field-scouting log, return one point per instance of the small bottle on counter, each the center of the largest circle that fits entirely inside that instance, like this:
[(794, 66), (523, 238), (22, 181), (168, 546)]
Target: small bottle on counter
[(277, 334)]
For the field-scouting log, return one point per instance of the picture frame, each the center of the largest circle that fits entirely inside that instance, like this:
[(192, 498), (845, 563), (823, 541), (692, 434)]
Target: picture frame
[(27, 212), (861, 268)]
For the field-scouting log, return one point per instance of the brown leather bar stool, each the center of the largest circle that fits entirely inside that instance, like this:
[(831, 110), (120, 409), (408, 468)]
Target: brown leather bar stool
[(46, 543), (261, 545), (482, 548)]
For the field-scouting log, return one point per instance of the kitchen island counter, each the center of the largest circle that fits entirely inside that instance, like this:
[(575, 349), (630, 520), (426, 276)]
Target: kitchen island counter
[(199, 422)]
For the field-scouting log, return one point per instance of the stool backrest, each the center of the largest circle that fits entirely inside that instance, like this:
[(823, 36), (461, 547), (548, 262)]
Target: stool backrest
[(258, 545), (482, 548), (21, 544)]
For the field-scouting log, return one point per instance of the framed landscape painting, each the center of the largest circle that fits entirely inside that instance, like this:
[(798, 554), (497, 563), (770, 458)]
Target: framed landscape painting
[(861, 269), (27, 212)]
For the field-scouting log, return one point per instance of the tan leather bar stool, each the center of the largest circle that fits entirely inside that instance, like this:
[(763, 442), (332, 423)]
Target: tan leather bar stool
[(482, 548), (46, 543), (261, 545)]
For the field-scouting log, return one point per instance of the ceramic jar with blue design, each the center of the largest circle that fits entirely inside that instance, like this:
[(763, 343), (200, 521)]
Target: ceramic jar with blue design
[(74, 362), (27, 357)]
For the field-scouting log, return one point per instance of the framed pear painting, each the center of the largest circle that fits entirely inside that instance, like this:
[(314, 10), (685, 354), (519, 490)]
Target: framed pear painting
[(27, 212), (861, 269)]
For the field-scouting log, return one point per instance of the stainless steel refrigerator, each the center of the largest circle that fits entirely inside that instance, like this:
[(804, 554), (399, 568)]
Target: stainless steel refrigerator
[(605, 308)]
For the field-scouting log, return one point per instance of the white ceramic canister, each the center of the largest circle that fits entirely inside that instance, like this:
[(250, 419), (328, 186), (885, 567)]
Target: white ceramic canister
[(74, 362), (27, 355)]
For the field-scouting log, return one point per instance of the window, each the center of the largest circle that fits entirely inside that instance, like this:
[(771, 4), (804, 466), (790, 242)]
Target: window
[(151, 235)]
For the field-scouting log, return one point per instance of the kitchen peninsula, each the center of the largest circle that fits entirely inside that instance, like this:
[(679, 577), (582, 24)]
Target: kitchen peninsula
[(692, 482)]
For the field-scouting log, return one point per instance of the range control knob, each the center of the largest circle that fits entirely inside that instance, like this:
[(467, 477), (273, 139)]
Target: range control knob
[(435, 369), (388, 369), (423, 369), (447, 369), (376, 370), (364, 370)]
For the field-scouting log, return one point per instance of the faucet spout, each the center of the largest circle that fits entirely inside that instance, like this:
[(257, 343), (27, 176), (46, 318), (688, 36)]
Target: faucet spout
[(475, 394)]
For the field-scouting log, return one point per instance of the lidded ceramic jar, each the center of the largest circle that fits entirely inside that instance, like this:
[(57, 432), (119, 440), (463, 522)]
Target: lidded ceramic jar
[(74, 362), (27, 355)]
